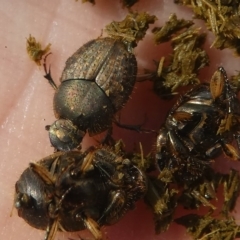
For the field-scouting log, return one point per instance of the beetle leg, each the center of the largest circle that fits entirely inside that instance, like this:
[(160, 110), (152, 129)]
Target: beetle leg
[(108, 139), (48, 75), (51, 229), (177, 145), (104, 168), (115, 208), (93, 227), (230, 95), (225, 124), (213, 151), (87, 163), (42, 172), (137, 128), (230, 151), (163, 202), (54, 166), (237, 137), (162, 148), (217, 83), (202, 199)]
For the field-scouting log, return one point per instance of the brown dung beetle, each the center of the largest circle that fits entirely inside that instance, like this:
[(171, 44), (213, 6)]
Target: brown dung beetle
[(72, 191), (96, 82), (203, 122)]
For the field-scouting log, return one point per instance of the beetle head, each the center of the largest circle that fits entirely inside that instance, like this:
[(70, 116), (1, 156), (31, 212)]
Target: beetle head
[(31, 199), (64, 135)]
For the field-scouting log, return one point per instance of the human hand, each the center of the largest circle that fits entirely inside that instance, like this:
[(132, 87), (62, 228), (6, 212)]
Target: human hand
[(26, 97)]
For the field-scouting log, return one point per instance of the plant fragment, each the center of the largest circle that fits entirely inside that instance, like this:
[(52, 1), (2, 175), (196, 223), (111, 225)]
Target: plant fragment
[(209, 228), (163, 200), (132, 29), (221, 17), (35, 51), (187, 59), (231, 190)]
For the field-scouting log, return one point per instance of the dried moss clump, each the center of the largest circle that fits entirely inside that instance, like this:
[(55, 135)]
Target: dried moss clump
[(35, 51), (218, 223), (209, 228), (187, 59), (132, 29), (222, 18)]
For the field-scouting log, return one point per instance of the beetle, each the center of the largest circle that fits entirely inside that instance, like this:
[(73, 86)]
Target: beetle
[(203, 122), (96, 82), (71, 191)]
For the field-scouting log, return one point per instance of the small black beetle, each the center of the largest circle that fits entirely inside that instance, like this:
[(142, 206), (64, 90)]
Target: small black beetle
[(72, 191), (96, 82), (202, 122)]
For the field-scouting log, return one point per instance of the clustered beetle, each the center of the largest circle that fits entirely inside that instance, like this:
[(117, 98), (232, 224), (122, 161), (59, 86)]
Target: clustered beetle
[(202, 122), (72, 191), (96, 82)]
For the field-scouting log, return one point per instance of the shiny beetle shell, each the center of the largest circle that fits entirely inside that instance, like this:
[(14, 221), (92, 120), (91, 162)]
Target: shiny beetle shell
[(96, 82), (203, 122), (73, 191)]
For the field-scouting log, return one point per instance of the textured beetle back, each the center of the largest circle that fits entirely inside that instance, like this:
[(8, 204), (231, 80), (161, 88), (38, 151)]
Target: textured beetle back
[(107, 62)]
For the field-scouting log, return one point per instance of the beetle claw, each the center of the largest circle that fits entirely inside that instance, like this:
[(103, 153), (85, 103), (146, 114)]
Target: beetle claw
[(48, 72)]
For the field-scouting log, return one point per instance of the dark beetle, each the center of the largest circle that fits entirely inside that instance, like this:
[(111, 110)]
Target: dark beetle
[(96, 82), (72, 191), (202, 122)]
